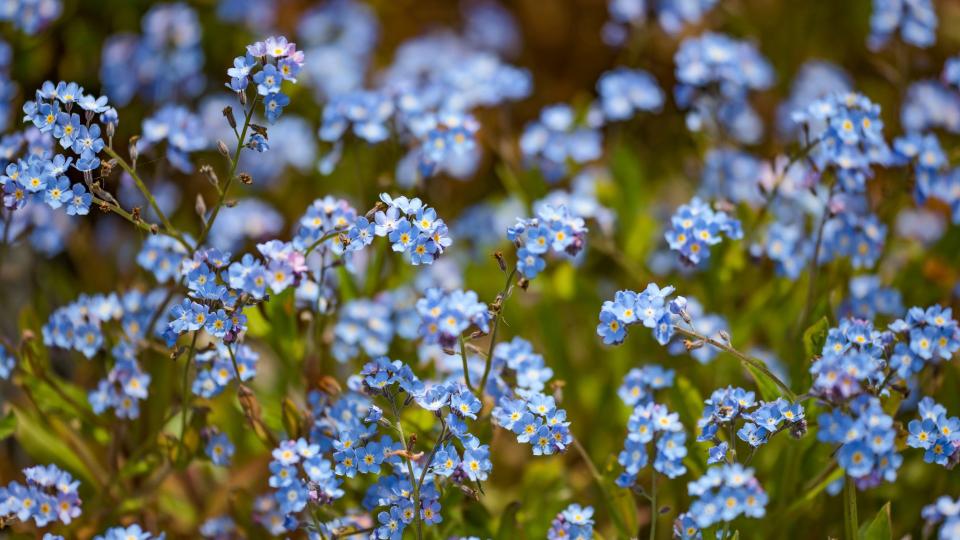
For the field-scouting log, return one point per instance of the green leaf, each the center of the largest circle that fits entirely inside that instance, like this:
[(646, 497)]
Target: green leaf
[(768, 389), (8, 425), (880, 527), (688, 402), (815, 336), (508, 522), (47, 447)]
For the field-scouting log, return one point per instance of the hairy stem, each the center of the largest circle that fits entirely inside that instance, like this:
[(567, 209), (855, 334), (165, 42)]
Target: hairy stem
[(755, 363), (234, 161), (504, 294), (168, 227)]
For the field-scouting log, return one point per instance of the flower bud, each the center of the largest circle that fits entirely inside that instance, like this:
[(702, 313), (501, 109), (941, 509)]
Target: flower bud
[(228, 114), (200, 206)]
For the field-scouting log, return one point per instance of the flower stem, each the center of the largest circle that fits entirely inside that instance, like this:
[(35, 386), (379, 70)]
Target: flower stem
[(185, 390), (755, 363), (653, 507), (408, 458), (234, 161), (466, 370), (504, 294), (850, 521), (607, 497), (149, 196)]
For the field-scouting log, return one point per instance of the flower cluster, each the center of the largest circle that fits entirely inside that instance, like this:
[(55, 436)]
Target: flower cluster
[(445, 316), (31, 16), (945, 513), (388, 379), (850, 361), (556, 139), (83, 326), (268, 64), (640, 383), (732, 175), (930, 105), (859, 237), (696, 227), (652, 422), (366, 113), (922, 151), (762, 420), (868, 298), (672, 15), (444, 139), (164, 63), (554, 229), (625, 92), (518, 376), (412, 228), (715, 74), (49, 496), (219, 289), (218, 366), (936, 433), (866, 436), (219, 528), (300, 473), (52, 111), (128, 532), (370, 324), (724, 493), (536, 420), (816, 79), (932, 334), (915, 20), (849, 137), (181, 130), (162, 256), (581, 199), (575, 522), (648, 307), (123, 388)]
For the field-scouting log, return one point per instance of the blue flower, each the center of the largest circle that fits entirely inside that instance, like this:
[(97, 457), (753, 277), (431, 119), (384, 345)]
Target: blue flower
[(624, 92), (916, 21), (78, 203), (219, 449)]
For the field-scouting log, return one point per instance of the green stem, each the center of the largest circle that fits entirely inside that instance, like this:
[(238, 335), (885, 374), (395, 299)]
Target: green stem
[(233, 171), (466, 369), (815, 262), (755, 363), (607, 497), (139, 223), (185, 389), (504, 294), (653, 507), (413, 479), (321, 240), (850, 521), (149, 196)]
